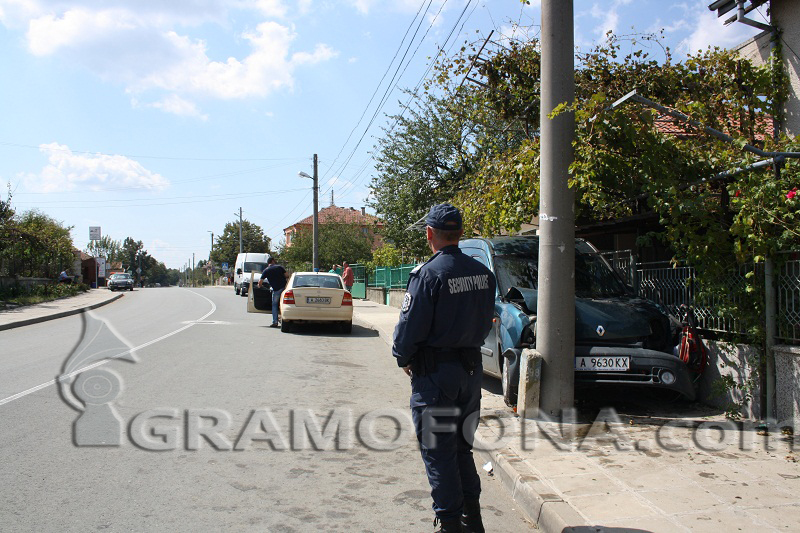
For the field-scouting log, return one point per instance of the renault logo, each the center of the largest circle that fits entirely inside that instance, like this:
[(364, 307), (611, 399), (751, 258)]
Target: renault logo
[(601, 330)]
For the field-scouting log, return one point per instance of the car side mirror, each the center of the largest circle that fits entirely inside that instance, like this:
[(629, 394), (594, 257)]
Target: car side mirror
[(238, 270)]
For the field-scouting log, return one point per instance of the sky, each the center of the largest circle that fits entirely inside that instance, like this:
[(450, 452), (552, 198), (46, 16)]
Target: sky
[(160, 119)]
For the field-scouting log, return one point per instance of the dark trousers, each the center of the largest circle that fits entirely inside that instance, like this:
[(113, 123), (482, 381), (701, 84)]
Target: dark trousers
[(445, 406)]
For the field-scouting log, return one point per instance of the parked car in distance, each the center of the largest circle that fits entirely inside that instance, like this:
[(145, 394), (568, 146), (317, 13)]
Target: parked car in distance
[(246, 264), (316, 297), (621, 340), (121, 282)]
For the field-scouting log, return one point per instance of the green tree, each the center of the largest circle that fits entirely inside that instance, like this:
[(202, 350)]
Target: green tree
[(105, 247), (423, 160), (338, 241), (226, 245), (37, 244)]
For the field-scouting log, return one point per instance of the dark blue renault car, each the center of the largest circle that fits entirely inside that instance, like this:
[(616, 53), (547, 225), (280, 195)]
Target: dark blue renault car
[(620, 338)]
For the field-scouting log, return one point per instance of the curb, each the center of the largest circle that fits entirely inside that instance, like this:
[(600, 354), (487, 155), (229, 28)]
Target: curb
[(538, 501), (61, 314)]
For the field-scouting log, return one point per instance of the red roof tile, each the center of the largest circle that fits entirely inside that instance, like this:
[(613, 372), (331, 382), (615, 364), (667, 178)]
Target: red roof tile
[(348, 215)]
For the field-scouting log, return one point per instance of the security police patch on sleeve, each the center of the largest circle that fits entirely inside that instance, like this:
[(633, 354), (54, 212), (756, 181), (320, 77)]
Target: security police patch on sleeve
[(406, 302)]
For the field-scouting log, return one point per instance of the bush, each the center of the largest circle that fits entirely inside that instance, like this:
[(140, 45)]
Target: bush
[(28, 295)]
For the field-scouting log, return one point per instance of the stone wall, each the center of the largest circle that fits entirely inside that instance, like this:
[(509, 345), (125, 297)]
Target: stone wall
[(396, 297), (377, 295), (6, 281), (787, 385), (736, 361)]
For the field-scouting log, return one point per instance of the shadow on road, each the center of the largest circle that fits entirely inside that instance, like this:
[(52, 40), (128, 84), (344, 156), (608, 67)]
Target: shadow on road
[(329, 330)]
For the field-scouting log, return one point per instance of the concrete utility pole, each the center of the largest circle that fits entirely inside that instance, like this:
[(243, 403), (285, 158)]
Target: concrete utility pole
[(555, 328), (241, 250), (315, 230), (316, 217), (210, 260)]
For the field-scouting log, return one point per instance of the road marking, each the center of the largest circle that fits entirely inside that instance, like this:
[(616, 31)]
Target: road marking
[(24, 393)]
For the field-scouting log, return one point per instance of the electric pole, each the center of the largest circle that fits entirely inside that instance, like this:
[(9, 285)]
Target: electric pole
[(555, 328), (315, 257), (241, 250), (210, 259)]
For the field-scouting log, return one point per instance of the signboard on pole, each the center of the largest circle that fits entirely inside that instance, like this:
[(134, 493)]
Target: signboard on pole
[(101, 267), (224, 267), (94, 233)]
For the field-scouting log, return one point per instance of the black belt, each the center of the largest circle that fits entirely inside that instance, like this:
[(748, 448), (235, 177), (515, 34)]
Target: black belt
[(448, 355)]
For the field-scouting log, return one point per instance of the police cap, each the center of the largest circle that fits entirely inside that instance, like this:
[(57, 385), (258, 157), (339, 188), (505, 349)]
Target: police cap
[(444, 216)]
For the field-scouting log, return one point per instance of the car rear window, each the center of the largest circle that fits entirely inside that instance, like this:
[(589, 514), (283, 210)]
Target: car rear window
[(328, 282)]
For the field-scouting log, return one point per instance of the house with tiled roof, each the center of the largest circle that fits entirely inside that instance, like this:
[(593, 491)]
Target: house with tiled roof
[(369, 224)]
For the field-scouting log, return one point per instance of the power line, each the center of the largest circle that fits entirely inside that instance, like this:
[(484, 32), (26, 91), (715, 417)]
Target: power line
[(419, 84)]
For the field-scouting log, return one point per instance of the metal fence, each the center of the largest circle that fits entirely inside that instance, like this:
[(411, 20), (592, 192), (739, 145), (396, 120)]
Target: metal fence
[(788, 274), (391, 277), (673, 285)]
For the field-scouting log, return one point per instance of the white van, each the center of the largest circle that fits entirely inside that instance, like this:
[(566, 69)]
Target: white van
[(246, 264)]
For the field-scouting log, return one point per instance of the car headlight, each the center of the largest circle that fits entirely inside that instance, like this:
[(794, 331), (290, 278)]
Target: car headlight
[(667, 377)]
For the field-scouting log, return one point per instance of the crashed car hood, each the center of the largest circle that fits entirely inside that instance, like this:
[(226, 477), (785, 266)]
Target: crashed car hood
[(620, 317)]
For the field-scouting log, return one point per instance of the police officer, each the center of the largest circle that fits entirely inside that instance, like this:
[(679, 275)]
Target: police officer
[(447, 312)]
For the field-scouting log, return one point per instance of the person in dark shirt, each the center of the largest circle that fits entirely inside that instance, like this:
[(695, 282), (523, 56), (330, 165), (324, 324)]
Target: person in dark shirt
[(446, 314), (276, 276)]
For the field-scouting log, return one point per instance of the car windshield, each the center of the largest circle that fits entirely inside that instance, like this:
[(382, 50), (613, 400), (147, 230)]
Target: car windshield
[(120, 276), (593, 277), (312, 280), (516, 271), (254, 267)]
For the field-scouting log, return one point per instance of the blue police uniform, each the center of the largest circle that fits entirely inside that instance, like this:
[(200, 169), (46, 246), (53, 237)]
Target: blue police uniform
[(446, 314)]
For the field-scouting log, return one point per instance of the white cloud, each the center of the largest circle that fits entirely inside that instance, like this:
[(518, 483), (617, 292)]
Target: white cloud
[(67, 171), (609, 16), (176, 105), (148, 47), (708, 31)]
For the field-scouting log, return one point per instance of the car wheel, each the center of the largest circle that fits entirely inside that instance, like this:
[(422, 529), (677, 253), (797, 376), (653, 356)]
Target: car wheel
[(131, 289), (509, 390), (346, 327), (285, 326)]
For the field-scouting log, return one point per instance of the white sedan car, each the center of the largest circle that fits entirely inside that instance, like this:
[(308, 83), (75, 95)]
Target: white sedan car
[(316, 297)]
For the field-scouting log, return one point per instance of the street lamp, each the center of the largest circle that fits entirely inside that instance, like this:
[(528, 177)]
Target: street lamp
[(315, 242)]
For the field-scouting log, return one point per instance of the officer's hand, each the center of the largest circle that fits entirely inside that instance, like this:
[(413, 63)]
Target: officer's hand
[(407, 370), (260, 284)]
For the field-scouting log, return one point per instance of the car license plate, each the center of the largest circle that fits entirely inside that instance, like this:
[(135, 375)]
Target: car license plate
[(317, 300), (603, 364)]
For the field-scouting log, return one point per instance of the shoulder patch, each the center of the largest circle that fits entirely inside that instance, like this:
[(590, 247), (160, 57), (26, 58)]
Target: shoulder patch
[(416, 268), (406, 302)]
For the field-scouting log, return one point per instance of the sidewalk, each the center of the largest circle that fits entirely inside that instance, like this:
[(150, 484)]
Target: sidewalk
[(32, 314), (654, 471)]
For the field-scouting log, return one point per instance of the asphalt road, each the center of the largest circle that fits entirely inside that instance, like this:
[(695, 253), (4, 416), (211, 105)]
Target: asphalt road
[(223, 424)]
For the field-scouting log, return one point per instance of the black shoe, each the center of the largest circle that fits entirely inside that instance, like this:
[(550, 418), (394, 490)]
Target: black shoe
[(274, 325), (471, 521), (453, 525)]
